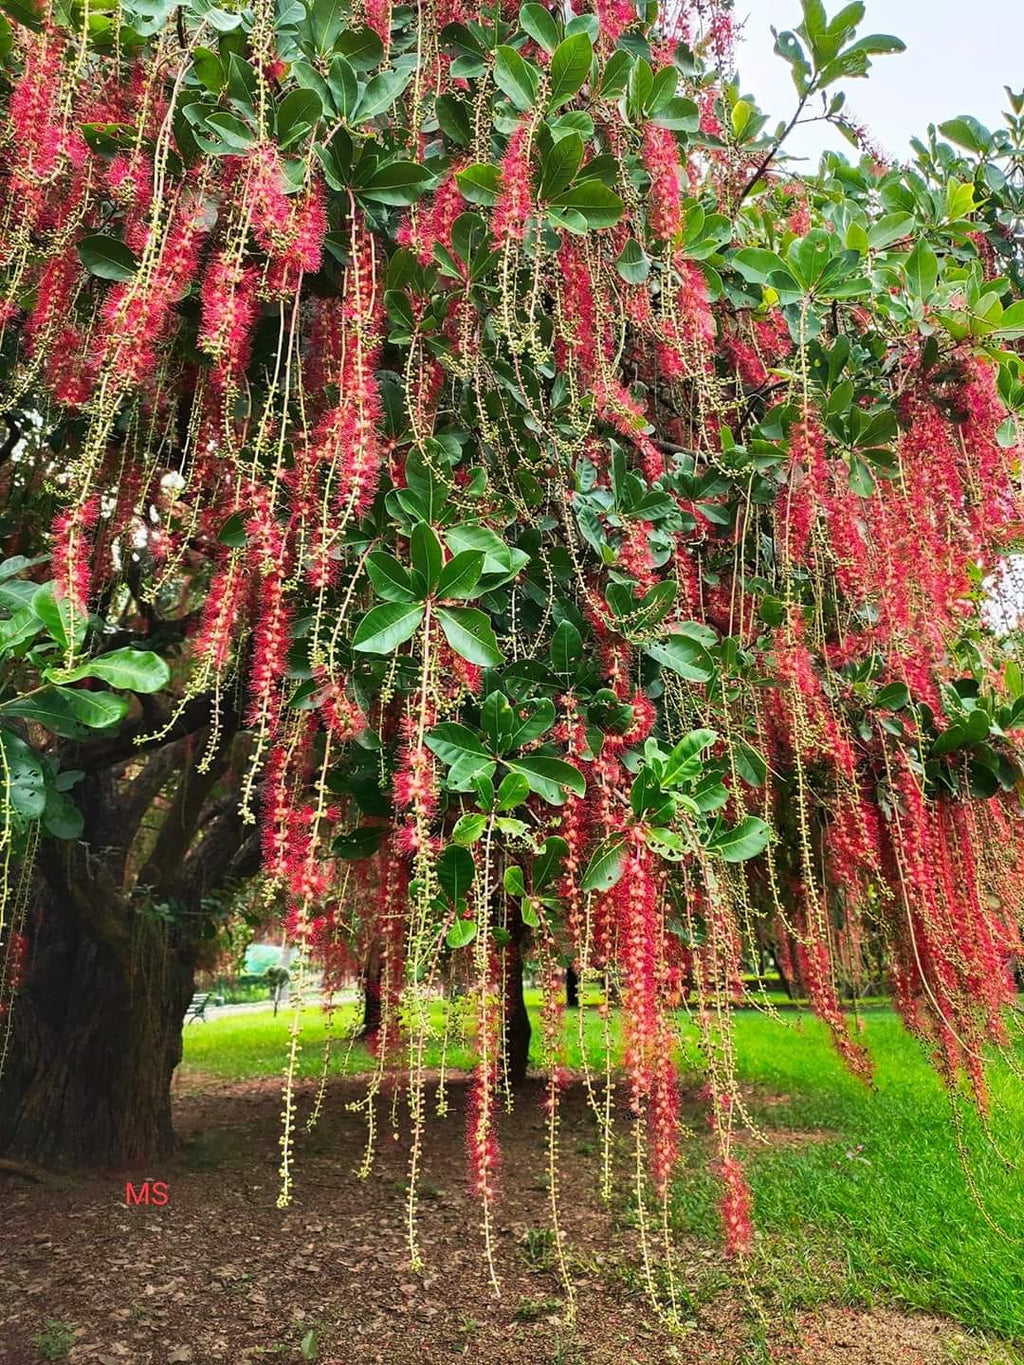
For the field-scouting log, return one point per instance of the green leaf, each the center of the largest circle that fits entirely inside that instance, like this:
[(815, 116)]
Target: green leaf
[(876, 44), (513, 791), (749, 764), (953, 737), (548, 776), (679, 115), (210, 70), (455, 872), (22, 775), (498, 720), (513, 881), (98, 710), (216, 17), (684, 760), (977, 726), (461, 750), (685, 656), (570, 68), (755, 264), (615, 76), (62, 818), (479, 183), (425, 552), (453, 118), (1011, 324), (298, 113), (233, 531), (48, 708), (922, 268), (633, 263), (243, 85), (967, 132), (469, 633), (236, 135), (469, 828), (361, 47), (639, 88), (547, 865), (889, 228), (462, 933), (384, 628), (747, 840), (16, 564), (860, 477), (560, 165), (389, 578), (461, 574), (596, 204), (538, 720), (516, 77), (499, 558), (396, 182), (538, 23), (135, 670), (566, 649), (326, 21), (64, 623), (606, 865), (107, 258), (18, 628), (381, 93), (893, 697), (24, 12)]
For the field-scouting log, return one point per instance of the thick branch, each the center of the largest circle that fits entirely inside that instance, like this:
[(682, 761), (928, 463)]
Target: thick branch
[(163, 868), (132, 739)]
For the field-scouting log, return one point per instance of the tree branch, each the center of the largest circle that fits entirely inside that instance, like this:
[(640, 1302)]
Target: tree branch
[(94, 755)]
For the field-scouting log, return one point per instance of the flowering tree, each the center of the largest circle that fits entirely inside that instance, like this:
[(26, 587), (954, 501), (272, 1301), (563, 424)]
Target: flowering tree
[(589, 525)]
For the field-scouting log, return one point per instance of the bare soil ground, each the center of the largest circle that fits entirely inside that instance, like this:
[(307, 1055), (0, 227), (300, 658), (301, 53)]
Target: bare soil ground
[(219, 1274)]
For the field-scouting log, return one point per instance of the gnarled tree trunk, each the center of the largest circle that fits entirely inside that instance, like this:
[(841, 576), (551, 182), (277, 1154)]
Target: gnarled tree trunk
[(113, 931), (96, 1036)]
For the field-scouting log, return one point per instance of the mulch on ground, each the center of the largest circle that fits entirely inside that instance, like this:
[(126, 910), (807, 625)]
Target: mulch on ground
[(219, 1274)]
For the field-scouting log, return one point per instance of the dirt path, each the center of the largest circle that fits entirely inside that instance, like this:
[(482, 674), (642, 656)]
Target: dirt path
[(219, 1274)]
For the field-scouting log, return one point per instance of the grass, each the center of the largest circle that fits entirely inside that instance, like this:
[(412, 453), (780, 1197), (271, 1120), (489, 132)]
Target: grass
[(55, 1340), (880, 1205), (886, 1209)]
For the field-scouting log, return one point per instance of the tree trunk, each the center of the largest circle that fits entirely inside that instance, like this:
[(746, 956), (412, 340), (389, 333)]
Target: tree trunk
[(96, 1036), (517, 1020), (572, 988), (372, 979)]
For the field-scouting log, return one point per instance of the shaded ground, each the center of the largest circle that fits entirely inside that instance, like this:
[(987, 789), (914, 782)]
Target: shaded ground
[(220, 1274)]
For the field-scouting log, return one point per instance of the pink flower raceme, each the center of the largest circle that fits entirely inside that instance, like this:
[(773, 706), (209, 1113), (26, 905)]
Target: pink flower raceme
[(514, 206), (661, 160), (72, 535), (136, 315), (734, 1207), (229, 312)]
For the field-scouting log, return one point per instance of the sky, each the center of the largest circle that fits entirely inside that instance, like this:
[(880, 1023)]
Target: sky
[(960, 54)]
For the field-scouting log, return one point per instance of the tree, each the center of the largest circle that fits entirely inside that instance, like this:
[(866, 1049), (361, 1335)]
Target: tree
[(592, 517), (114, 905)]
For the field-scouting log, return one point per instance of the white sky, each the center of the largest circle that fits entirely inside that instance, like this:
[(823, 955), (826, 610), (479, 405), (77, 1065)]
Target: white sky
[(960, 54)]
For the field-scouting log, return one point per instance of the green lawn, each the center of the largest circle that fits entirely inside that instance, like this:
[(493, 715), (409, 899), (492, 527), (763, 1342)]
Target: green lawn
[(882, 1207)]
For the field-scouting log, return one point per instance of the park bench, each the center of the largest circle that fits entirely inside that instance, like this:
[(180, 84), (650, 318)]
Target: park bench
[(197, 1007)]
